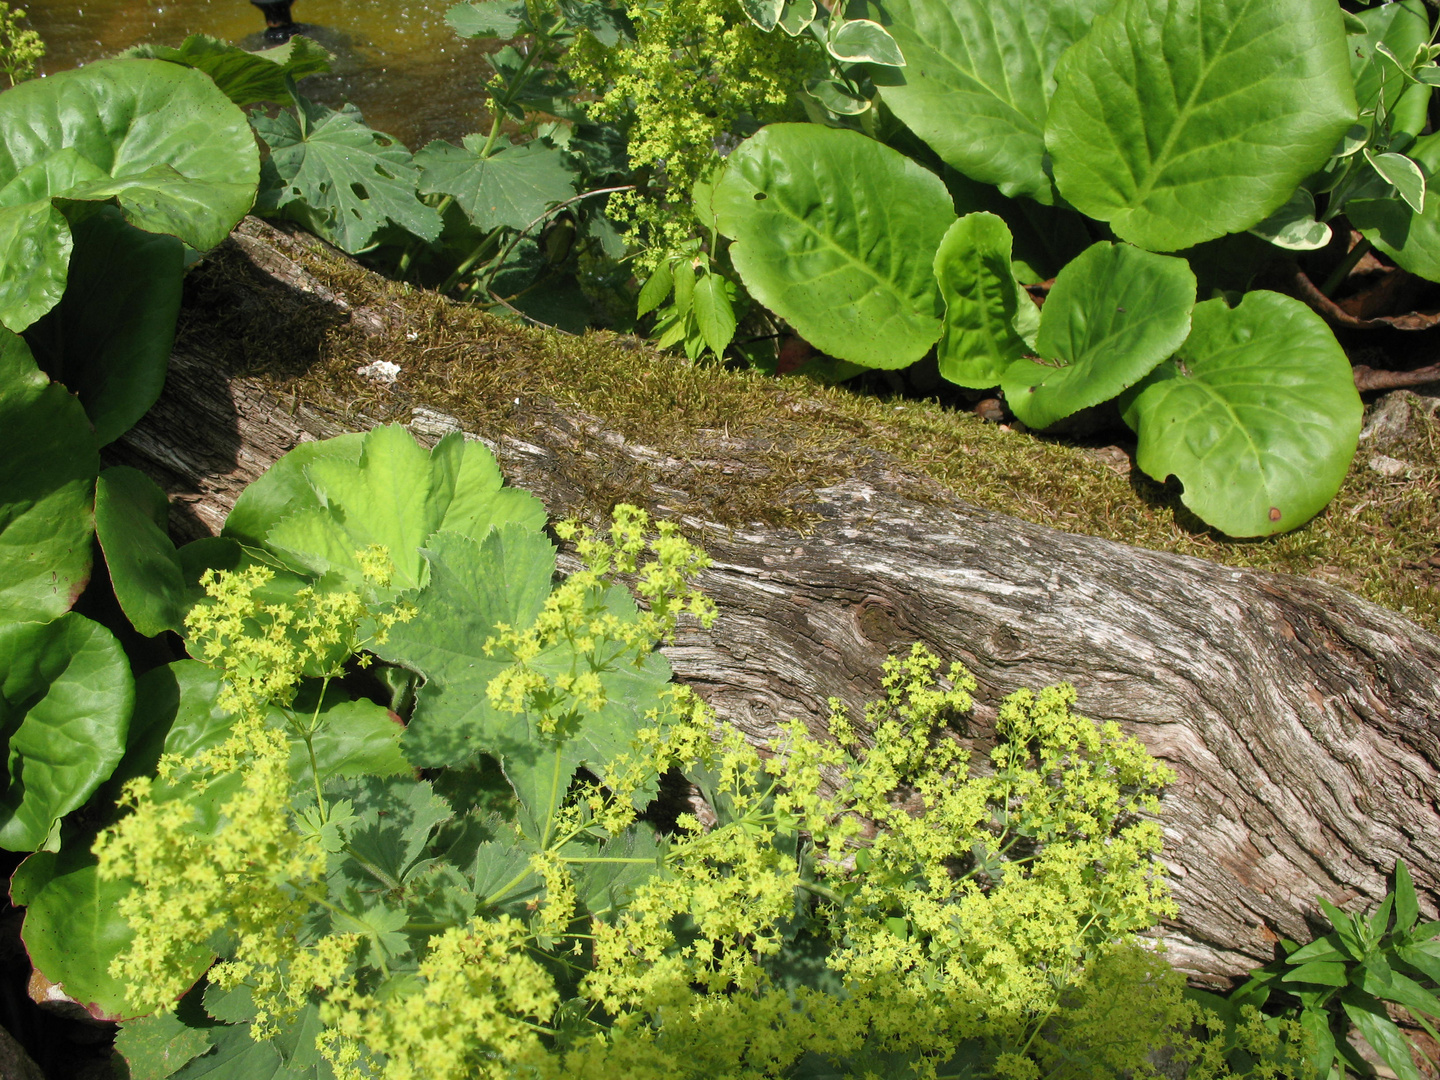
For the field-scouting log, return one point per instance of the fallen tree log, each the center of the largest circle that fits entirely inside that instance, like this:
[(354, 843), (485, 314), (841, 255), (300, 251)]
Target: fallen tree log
[(1303, 723)]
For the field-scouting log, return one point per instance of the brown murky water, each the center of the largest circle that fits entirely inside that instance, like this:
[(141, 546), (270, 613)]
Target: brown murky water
[(398, 61)]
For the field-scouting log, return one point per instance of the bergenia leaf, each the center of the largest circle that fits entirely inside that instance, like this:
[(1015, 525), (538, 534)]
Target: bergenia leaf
[(979, 81), (1112, 315), (356, 178), (73, 929), (109, 338), (65, 698), (1258, 416), (988, 316), (48, 464), (159, 140), (132, 522), (1178, 121), (837, 233)]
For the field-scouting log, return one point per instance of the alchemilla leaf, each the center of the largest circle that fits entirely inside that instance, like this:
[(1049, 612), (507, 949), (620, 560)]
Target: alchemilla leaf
[(513, 186), (356, 178), (381, 488)]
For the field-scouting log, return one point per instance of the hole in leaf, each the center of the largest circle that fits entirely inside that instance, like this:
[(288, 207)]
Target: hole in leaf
[(1274, 513), (760, 196), (359, 190)]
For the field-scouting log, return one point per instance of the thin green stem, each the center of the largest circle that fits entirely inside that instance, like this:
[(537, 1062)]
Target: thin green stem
[(603, 860), (816, 889), (1341, 272), (481, 250)]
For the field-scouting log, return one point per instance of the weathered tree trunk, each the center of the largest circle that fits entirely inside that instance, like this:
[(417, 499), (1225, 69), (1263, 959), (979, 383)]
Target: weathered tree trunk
[(1303, 723)]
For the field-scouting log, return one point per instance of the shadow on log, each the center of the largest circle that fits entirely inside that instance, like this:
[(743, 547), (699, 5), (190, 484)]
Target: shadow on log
[(1303, 723)]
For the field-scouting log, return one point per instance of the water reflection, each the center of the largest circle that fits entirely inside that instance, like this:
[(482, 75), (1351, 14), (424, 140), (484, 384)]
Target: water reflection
[(397, 60)]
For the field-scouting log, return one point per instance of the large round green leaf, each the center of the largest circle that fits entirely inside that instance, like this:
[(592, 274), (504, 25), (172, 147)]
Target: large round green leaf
[(1257, 415), (1112, 315), (178, 155), (65, 699), (132, 522), (978, 81), (1178, 121), (73, 928), (159, 140), (48, 463), (988, 317), (109, 338), (837, 233)]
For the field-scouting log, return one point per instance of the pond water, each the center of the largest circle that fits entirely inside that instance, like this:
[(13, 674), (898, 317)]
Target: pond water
[(397, 60)]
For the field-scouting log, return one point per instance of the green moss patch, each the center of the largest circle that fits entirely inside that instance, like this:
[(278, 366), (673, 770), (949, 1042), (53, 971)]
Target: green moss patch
[(789, 436)]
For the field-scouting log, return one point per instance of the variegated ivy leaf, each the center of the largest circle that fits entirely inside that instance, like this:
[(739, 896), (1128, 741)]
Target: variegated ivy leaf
[(1409, 181), (1293, 227), (862, 41)]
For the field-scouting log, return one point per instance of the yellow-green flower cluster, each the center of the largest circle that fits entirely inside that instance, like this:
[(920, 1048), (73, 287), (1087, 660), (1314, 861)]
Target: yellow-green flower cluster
[(472, 1011), (211, 844), (20, 49), (694, 70), (216, 863), (994, 906), (581, 612)]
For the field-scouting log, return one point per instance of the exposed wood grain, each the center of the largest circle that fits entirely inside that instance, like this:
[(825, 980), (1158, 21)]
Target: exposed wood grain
[(1303, 723)]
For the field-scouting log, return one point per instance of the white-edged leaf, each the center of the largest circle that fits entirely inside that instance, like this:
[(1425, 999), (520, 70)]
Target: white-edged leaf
[(865, 41), (797, 16), (1293, 227), (1400, 171), (763, 13)]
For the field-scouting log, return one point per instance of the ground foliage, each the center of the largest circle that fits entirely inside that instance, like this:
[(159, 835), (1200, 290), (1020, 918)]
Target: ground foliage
[(514, 910)]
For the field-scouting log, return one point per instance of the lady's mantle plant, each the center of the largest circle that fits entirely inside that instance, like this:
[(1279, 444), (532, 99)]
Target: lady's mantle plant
[(862, 901)]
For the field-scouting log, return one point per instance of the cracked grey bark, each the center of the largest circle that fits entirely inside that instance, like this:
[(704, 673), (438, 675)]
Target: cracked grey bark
[(1302, 722)]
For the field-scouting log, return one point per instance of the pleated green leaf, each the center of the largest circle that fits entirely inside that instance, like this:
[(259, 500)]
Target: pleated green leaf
[(1257, 416), (837, 233), (1178, 121), (978, 81)]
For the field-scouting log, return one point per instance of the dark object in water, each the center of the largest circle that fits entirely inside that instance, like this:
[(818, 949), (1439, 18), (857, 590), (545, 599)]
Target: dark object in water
[(279, 26)]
